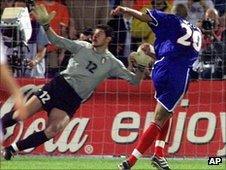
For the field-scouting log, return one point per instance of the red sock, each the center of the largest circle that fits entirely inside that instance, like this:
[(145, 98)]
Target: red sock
[(160, 141), (159, 151), (145, 141), (132, 160)]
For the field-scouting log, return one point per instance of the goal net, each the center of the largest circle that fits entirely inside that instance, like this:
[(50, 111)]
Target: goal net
[(113, 119)]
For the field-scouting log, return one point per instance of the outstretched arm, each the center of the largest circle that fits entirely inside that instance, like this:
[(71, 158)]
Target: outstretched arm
[(120, 71), (59, 41), (44, 18), (136, 14)]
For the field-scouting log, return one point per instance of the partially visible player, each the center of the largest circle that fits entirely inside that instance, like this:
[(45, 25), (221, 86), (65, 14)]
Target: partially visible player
[(176, 47), (7, 81), (62, 96)]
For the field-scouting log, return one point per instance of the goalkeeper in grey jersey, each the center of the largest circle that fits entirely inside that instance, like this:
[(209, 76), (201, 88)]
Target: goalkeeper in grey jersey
[(62, 96), (92, 63)]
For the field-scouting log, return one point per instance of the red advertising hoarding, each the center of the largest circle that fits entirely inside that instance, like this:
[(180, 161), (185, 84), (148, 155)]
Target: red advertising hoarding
[(112, 120)]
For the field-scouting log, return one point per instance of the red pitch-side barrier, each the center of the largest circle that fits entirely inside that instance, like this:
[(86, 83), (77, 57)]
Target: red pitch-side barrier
[(111, 122)]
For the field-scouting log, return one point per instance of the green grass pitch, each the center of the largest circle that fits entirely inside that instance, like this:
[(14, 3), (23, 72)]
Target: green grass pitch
[(98, 163)]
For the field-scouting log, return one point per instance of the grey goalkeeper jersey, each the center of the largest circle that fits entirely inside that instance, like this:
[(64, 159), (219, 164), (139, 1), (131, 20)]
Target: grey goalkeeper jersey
[(87, 68)]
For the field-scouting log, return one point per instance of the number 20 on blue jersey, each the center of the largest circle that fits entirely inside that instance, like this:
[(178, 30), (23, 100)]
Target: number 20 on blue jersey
[(192, 37)]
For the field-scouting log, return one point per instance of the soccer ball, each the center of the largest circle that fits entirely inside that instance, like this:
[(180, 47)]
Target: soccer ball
[(143, 59)]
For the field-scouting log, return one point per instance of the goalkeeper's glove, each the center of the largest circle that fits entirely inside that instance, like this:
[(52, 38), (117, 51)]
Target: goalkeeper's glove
[(142, 60), (42, 16)]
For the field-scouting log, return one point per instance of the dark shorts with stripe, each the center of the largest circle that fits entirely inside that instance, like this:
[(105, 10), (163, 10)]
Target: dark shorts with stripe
[(59, 94)]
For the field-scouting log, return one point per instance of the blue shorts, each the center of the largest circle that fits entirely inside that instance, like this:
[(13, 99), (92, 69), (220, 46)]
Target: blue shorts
[(59, 94), (170, 81)]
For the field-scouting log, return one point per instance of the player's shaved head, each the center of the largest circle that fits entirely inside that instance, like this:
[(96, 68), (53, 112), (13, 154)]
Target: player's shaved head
[(180, 10)]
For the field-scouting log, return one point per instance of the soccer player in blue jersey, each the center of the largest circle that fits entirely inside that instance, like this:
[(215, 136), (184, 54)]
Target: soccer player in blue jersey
[(176, 47)]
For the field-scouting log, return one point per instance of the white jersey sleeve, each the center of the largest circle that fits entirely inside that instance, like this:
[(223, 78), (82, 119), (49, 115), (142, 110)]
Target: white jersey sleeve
[(2, 52)]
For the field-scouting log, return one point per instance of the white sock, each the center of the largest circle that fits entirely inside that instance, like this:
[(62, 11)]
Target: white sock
[(15, 147), (136, 153), (160, 143)]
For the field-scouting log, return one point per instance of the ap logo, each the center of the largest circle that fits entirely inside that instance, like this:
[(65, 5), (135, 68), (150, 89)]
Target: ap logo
[(214, 160)]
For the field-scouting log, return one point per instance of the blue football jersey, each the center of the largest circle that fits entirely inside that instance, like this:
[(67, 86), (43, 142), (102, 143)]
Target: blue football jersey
[(176, 38)]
